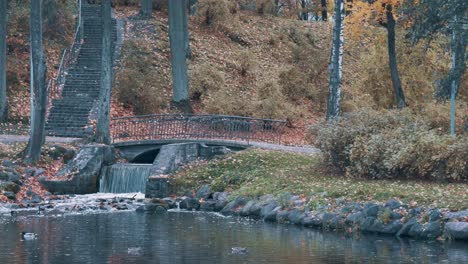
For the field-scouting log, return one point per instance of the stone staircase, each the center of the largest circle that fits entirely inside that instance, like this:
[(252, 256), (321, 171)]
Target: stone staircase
[(70, 115)]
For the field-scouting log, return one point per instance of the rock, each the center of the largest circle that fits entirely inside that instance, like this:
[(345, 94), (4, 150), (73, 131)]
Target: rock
[(456, 215), (160, 202), (392, 204), (295, 216), (56, 151), (7, 163), (68, 155), (208, 206), (372, 211), (434, 215), (282, 216), (271, 215), (457, 230), (121, 207), (235, 206), (312, 220), (81, 174), (204, 192), (238, 251), (336, 223), (246, 209), (392, 228), (4, 176), (326, 217), (404, 231), (189, 204), (170, 202), (220, 196), (426, 231), (34, 172), (10, 195), (150, 208), (395, 215), (268, 208), (220, 205), (355, 218), (10, 187), (370, 224)]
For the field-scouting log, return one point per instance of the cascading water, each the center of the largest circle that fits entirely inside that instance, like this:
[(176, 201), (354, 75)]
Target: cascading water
[(124, 178)]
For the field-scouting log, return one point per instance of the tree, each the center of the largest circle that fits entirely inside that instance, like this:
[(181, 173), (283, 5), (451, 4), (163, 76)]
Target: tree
[(432, 17), (3, 87), (390, 25), (146, 10), (103, 122), (178, 38), (336, 59), (38, 85), (324, 10)]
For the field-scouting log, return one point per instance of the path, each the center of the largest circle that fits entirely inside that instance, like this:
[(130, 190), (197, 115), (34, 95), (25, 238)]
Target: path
[(15, 139)]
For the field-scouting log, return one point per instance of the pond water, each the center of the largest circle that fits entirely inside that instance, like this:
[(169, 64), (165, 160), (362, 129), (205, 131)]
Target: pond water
[(183, 237)]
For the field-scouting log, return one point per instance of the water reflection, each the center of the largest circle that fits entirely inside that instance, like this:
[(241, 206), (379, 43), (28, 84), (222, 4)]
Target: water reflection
[(202, 238)]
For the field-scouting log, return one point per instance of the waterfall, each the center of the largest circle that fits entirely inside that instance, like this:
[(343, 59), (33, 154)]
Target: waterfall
[(124, 178)]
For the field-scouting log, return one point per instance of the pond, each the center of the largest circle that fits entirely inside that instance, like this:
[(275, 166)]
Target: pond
[(186, 237)]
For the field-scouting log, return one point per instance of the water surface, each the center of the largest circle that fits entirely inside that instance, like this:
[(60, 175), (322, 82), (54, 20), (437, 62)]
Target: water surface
[(178, 237)]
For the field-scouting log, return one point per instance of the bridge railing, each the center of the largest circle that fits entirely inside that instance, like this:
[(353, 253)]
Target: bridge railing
[(187, 126)]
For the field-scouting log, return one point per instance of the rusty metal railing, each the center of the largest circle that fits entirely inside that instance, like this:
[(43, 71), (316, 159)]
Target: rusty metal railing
[(188, 126)]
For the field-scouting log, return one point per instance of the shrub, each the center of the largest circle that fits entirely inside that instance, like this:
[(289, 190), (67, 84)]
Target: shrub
[(205, 79), (392, 144), (294, 84), (228, 103), (266, 7), (213, 11), (138, 83), (246, 63)]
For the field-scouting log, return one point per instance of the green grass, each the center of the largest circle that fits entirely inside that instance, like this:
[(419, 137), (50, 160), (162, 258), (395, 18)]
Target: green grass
[(258, 172)]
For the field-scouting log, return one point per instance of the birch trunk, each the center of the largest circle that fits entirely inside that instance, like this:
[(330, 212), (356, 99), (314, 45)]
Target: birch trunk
[(458, 67), (336, 59), (178, 37), (103, 122), (38, 85), (3, 87)]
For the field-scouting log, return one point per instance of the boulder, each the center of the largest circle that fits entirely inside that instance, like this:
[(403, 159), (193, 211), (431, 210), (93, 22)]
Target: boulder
[(372, 210), (160, 202), (9, 187), (456, 215), (425, 231), (282, 216), (10, 195), (312, 220), (404, 231), (355, 218), (220, 205), (392, 204), (220, 196), (268, 208), (392, 228), (434, 215), (295, 216), (189, 204), (457, 230), (170, 202), (234, 207), (208, 206), (80, 175), (7, 163), (150, 208), (271, 215), (204, 192)]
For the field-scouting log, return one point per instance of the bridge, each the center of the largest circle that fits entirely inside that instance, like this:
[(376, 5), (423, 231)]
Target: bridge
[(139, 138)]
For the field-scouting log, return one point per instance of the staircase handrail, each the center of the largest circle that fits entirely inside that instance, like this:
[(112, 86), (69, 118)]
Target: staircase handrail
[(69, 55)]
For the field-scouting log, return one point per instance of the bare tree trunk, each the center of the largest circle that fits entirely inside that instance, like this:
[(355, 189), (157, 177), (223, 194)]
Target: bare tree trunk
[(400, 96), (3, 87), (458, 67), (324, 10), (103, 122), (178, 37), (193, 7), (336, 59), (38, 85), (146, 10), (188, 51)]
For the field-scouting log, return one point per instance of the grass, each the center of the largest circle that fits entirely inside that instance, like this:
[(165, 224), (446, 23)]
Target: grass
[(258, 172)]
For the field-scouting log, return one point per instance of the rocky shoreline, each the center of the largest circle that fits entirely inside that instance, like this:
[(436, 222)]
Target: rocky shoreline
[(392, 218)]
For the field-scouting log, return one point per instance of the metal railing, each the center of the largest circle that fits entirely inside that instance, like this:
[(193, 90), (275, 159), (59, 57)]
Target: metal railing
[(69, 57), (187, 126)]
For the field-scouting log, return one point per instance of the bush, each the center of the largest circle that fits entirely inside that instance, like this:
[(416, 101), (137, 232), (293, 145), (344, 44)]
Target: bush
[(294, 84), (392, 144), (246, 64), (204, 80), (225, 102), (266, 7), (213, 11), (138, 83)]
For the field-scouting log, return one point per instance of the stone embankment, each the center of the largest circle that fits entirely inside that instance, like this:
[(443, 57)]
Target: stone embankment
[(392, 218)]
